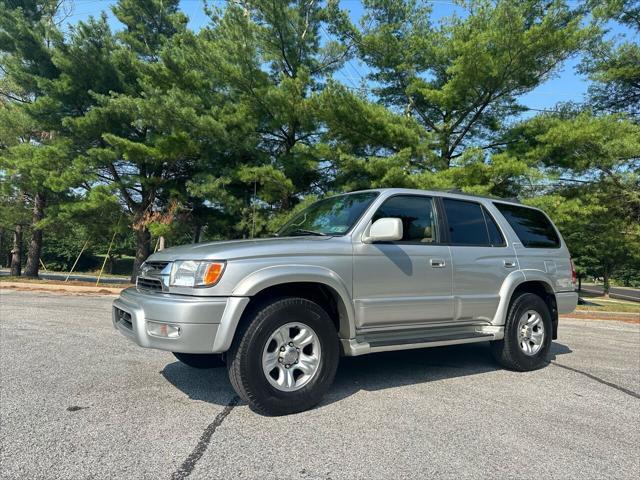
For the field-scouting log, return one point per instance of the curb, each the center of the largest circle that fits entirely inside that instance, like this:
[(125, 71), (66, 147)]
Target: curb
[(57, 288)]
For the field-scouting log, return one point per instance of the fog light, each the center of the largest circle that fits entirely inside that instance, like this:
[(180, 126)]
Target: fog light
[(165, 330)]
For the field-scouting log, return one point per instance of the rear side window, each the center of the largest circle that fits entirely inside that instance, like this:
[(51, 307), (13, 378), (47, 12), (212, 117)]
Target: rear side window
[(470, 224), (418, 217), (532, 226)]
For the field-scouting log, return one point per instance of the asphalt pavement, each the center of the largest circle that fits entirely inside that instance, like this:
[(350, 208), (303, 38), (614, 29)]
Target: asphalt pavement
[(77, 400)]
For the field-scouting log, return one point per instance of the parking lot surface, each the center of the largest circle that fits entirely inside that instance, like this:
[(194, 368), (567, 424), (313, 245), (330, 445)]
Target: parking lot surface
[(77, 400)]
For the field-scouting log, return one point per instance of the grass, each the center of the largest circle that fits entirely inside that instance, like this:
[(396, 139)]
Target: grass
[(95, 273), (598, 303)]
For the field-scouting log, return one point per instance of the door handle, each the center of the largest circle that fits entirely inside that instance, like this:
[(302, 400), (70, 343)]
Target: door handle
[(437, 263), (509, 264)]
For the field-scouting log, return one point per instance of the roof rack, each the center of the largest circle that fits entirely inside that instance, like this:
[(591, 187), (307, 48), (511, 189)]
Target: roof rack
[(460, 192)]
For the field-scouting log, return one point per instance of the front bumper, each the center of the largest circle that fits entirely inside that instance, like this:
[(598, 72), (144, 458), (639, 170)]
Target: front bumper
[(207, 324)]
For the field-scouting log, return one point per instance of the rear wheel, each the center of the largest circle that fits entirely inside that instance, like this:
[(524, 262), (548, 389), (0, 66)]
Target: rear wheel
[(285, 358), (527, 335), (200, 360)]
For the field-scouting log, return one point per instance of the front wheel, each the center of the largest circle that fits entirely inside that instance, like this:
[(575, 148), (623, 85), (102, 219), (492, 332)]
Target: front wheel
[(200, 360), (285, 358), (527, 335)]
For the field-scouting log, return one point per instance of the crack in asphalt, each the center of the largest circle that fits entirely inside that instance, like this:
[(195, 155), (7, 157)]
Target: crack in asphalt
[(598, 379), (190, 462)]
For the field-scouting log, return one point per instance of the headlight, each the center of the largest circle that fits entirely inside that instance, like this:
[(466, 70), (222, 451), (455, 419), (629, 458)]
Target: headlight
[(191, 273)]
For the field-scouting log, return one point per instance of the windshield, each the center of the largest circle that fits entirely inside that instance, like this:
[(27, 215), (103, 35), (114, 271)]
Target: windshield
[(331, 216)]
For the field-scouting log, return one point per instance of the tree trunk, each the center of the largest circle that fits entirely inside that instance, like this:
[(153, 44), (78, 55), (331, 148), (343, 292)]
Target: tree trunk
[(161, 243), (606, 286), (143, 248), (35, 246), (16, 252), (197, 231)]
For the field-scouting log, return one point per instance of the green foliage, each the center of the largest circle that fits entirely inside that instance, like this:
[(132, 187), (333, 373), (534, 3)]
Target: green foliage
[(461, 78), (27, 33), (600, 150), (269, 59), (148, 24), (614, 65)]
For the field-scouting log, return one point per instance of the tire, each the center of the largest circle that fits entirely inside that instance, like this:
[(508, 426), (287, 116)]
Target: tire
[(258, 346), (511, 352), (200, 360)]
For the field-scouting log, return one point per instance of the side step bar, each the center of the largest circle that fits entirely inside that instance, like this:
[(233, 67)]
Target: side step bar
[(427, 340), (364, 345)]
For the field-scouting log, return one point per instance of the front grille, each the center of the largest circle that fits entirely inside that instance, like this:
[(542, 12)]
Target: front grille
[(149, 284), (156, 265), (151, 276), (124, 318)]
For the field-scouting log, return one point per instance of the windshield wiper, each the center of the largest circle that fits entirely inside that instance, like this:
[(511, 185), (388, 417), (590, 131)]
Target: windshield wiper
[(301, 231)]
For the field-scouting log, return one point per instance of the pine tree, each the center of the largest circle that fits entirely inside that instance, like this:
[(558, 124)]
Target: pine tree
[(461, 79), (615, 67), (276, 65), (120, 148), (32, 152)]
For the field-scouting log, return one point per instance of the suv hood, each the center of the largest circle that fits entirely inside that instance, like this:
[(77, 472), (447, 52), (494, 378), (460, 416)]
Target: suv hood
[(262, 247)]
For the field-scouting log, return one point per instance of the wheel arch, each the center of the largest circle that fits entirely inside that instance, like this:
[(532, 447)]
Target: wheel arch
[(518, 283), (315, 283)]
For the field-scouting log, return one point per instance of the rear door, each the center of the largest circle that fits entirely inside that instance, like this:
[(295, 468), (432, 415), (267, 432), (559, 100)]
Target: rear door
[(481, 258), (407, 282)]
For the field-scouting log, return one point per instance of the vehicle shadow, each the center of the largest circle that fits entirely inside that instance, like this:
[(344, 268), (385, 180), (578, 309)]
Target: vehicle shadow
[(408, 367), (371, 372), (208, 385)]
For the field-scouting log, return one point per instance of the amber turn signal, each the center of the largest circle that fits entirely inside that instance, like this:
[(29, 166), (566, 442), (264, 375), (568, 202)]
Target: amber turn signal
[(213, 273)]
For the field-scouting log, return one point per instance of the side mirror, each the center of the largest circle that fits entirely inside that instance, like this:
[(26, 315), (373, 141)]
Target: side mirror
[(384, 230)]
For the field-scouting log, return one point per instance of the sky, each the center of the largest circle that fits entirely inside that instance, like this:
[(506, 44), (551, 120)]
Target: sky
[(565, 86)]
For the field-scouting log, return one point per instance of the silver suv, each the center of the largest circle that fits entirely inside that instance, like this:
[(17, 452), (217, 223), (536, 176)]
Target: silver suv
[(364, 272)]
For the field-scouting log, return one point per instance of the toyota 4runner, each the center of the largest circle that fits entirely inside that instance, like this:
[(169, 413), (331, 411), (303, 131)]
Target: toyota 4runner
[(352, 274)]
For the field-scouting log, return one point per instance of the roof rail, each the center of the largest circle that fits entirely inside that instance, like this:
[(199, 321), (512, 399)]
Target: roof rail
[(460, 192)]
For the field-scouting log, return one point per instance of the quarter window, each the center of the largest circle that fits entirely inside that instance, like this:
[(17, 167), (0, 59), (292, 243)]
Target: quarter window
[(470, 224), (419, 224), (532, 227)]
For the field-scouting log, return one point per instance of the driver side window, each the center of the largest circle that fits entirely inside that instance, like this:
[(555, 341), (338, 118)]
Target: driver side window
[(419, 222)]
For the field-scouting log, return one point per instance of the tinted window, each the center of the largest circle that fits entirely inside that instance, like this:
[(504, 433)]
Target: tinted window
[(466, 223), (495, 236), (331, 216), (532, 226), (417, 215)]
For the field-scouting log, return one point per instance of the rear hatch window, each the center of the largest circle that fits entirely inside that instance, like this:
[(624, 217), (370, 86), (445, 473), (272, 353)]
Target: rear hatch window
[(532, 226)]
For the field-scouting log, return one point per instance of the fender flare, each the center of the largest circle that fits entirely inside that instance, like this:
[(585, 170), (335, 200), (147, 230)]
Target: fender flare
[(277, 275), (513, 280)]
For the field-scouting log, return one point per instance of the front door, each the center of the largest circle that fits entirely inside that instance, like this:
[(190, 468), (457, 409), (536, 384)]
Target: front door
[(407, 282), (481, 259)]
